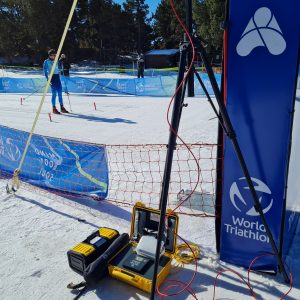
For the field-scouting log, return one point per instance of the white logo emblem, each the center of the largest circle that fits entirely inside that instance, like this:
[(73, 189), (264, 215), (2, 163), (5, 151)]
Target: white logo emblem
[(9, 149), (235, 194), (262, 31)]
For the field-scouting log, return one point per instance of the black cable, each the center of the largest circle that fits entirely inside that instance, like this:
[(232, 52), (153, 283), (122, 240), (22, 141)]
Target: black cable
[(81, 292)]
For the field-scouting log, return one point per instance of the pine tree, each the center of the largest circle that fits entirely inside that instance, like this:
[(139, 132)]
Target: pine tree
[(168, 32), (12, 34), (139, 23), (207, 15)]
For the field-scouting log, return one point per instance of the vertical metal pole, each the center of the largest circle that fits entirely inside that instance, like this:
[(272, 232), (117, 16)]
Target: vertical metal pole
[(139, 26), (177, 108), (189, 26)]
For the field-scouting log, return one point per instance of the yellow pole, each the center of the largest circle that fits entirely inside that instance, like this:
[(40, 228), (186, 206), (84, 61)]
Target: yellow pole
[(18, 170)]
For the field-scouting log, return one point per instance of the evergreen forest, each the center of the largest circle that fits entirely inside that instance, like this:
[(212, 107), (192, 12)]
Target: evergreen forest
[(102, 30)]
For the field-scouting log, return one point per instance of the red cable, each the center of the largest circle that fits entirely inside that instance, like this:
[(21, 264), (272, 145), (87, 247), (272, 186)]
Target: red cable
[(172, 99), (239, 275), (177, 283), (184, 285), (248, 282), (291, 286), (225, 37), (252, 263)]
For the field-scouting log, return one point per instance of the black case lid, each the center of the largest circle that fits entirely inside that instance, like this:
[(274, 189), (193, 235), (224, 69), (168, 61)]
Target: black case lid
[(145, 221)]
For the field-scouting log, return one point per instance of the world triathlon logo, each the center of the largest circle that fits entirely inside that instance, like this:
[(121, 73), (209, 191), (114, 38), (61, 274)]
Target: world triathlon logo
[(237, 196), (262, 31)]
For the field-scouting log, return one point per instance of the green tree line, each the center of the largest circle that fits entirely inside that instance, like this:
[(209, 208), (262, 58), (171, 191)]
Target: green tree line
[(101, 30)]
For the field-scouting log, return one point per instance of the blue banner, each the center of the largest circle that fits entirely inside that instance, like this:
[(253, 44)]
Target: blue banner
[(58, 164), (148, 86), (21, 85), (263, 45)]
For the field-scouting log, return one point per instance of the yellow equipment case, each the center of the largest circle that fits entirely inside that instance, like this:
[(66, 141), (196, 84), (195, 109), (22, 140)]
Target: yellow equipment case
[(138, 270), (80, 256)]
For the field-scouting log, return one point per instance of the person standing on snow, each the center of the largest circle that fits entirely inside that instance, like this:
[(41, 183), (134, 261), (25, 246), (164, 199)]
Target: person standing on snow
[(65, 65), (65, 70), (56, 87), (140, 65)]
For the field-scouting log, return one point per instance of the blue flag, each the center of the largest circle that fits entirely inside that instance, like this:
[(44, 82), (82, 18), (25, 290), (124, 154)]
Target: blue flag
[(263, 45)]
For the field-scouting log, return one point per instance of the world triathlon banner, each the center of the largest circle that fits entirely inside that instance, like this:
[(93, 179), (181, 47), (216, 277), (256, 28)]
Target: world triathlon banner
[(148, 86), (262, 55), (58, 164)]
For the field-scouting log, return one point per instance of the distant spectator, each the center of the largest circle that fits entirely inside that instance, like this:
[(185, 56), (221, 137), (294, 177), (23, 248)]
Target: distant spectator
[(65, 65), (140, 65)]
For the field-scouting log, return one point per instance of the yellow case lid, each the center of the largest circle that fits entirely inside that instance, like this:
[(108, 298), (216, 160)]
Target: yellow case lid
[(107, 232), (84, 249)]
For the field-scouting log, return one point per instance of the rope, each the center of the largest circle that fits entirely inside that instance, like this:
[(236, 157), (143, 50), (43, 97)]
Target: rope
[(16, 181), (36, 91), (184, 254)]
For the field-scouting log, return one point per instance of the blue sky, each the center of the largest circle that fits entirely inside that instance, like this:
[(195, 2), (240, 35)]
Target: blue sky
[(152, 4)]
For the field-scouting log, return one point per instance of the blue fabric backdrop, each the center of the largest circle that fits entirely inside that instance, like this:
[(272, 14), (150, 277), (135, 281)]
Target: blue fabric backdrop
[(55, 163), (263, 40)]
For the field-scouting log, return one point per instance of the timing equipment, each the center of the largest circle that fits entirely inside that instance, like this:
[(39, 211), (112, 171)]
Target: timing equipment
[(137, 263), (134, 263), (147, 247)]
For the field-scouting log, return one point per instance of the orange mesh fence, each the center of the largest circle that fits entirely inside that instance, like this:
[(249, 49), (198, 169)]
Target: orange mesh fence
[(135, 173)]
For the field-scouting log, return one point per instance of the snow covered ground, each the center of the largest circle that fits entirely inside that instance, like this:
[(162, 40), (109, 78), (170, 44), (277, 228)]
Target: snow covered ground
[(37, 229)]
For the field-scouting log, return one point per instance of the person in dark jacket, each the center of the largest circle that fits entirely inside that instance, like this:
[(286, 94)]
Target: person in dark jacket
[(140, 66), (56, 86), (65, 65)]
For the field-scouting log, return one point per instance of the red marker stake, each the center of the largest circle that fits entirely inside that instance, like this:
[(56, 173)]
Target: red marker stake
[(95, 106), (49, 114)]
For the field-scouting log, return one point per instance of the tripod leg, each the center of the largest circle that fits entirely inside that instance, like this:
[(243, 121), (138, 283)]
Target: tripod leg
[(177, 108), (210, 100)]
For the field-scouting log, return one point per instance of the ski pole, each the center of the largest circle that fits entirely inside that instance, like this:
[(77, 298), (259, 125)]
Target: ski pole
[(36, 91), (66, 85), (67, 92)]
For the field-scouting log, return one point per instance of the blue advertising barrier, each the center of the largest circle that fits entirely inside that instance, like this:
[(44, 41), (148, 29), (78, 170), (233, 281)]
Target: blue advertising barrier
[(148, 86), (263, 41), (21, 85), (63, 165)]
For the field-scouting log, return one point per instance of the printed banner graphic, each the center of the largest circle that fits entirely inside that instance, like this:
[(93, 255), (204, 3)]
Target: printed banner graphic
[(149, 86), (263, 42), (55, 163)]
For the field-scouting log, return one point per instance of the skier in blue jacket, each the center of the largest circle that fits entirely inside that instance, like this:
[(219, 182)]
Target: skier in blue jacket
[(56, 87)]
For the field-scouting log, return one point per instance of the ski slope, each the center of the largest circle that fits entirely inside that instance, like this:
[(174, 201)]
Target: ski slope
[(37, 229)]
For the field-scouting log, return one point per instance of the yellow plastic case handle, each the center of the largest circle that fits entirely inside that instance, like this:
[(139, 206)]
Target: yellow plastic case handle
[(124, 276)]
